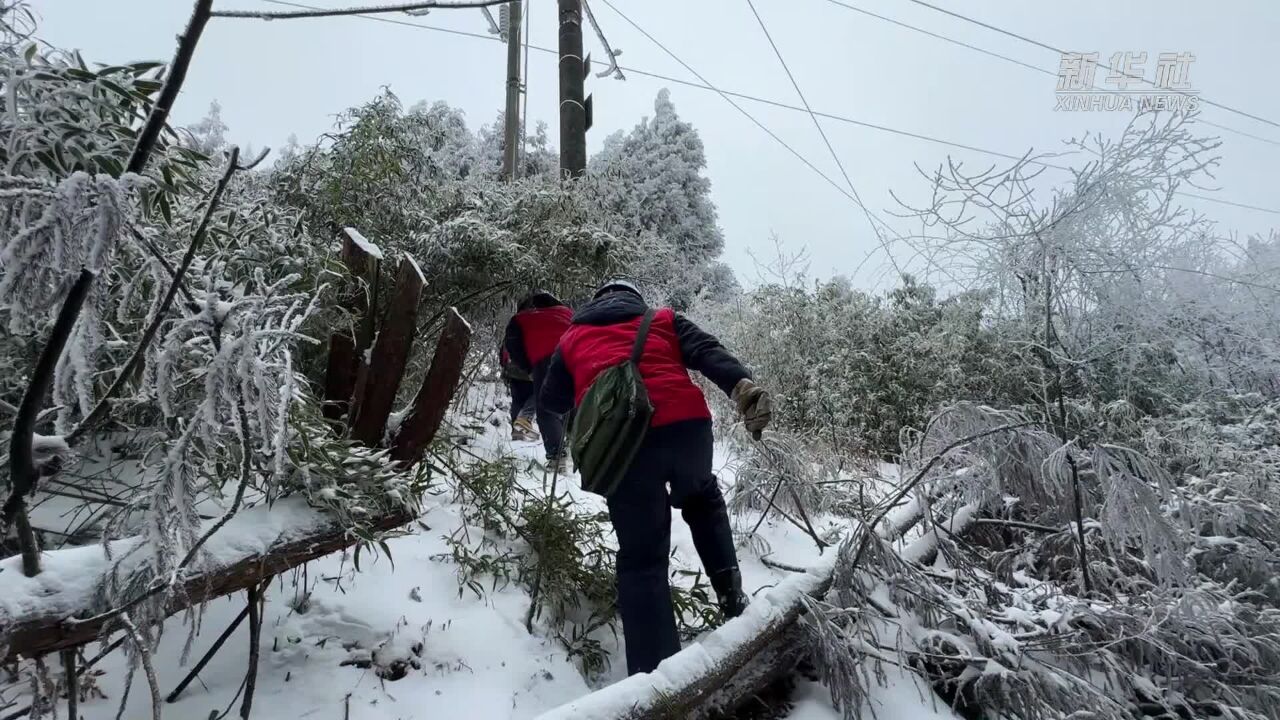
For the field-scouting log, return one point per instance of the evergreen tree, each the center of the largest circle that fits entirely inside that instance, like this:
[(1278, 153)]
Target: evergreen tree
[(657, 186), (537, 158), (210, 134), (442, 135)]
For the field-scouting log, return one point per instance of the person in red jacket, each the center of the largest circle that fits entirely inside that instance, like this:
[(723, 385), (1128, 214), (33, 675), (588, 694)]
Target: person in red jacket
[(531, 338), (520, 385), (676, 452)]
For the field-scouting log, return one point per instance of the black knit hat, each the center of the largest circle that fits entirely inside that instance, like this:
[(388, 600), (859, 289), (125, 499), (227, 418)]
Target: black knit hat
[(538, 299)]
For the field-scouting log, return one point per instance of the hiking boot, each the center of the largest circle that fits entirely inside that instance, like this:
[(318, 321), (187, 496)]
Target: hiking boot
[(728, 586), (522, 430), (558, 464)]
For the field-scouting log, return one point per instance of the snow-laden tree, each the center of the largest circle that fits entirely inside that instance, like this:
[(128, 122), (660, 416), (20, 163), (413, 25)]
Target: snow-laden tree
[(1090, 276), (655, 183), (209, 135), (536, 157), (178, 391), (851, 370), (1105, 546), (399, 178)]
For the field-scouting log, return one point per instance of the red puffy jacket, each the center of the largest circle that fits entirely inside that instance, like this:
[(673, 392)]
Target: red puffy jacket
[(589, 350), (532, 335), (603, 334)]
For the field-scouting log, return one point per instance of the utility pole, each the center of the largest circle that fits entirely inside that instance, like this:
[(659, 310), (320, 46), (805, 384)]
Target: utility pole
[(573, 111), (511, 135)]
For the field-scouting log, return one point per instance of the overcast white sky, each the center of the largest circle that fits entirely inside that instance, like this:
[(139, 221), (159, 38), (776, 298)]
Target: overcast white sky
[(277, 78)]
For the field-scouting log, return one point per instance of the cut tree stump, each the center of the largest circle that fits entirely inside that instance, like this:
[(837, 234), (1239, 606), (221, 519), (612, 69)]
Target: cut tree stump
[(379, 381), (347, 348), (340, 376), (433, 399)]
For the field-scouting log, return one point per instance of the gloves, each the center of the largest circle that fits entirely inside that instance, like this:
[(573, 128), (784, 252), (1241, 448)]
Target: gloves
[(754, 404)]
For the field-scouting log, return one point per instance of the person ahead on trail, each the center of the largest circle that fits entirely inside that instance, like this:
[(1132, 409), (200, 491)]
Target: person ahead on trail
[(520, 385), (676, 451), (531, 338)]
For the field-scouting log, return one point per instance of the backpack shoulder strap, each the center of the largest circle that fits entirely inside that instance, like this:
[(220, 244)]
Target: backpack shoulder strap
[(638, 349)]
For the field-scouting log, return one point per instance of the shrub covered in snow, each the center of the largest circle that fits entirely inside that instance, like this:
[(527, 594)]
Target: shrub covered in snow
[(183, 363)]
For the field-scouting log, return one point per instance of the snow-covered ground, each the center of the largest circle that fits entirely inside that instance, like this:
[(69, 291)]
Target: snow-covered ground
[(450, 654)]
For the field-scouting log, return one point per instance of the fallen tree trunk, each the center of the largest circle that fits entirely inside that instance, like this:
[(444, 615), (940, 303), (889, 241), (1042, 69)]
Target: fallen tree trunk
[(734, 663), (37, 614), (716, 672)]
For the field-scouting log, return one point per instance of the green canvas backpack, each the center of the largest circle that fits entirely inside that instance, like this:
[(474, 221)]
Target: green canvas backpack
[(610, 423)]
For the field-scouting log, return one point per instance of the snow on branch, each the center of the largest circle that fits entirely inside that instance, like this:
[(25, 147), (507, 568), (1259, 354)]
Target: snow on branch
[(39, 613), (99, 410), (369, 10), (703, 666), (613, 54)]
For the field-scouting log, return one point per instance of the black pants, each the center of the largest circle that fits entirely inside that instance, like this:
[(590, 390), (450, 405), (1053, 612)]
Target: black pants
[(521, 398), (678, 455), (550, 424)]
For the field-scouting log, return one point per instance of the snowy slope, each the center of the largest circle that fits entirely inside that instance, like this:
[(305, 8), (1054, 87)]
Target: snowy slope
[(398, 639), (903, 697)]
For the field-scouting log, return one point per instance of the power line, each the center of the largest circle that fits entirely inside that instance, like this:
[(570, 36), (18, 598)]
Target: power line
[(943, 38), (842, 118), (852, 195), (834, 155), (1060, 51), (390, 21), (729, 100), (703, 85), (422, 7), (1228, 202)]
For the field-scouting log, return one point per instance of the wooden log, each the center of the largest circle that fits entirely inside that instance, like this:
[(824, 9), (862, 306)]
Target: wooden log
[(347, 347), (715, 675), (363, 258), (38, 631), (340, 376), (376, 393), (433, 397)]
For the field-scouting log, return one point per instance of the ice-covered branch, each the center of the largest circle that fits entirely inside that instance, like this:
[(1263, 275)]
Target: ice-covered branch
[(369, 10), (910, 485), (613, 54), (22, 469), (197, 239), (258, 543)]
